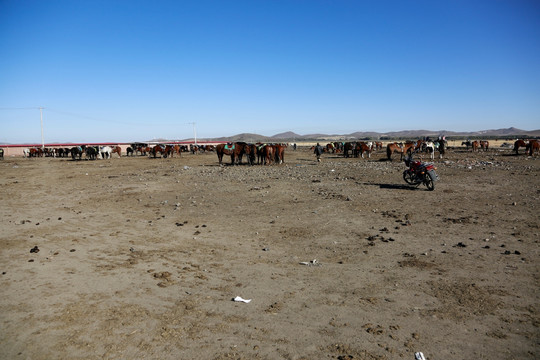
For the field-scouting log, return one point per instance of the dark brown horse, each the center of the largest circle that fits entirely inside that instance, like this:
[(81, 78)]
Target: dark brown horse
[(251, 152), (484, 145), (235, 150), (348, 146), (475, 144), (520, 143)]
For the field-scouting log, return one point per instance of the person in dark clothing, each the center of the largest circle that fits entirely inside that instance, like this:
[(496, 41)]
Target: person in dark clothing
[(318, 151)]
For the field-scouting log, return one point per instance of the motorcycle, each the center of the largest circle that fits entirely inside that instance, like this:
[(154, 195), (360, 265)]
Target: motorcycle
[(420, 173)]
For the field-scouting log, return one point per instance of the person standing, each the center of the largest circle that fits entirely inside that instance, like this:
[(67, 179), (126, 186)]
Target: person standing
[(318, 152)]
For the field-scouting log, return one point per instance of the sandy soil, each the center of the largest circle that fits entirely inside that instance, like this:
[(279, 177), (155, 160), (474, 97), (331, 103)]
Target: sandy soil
[(141, 258)]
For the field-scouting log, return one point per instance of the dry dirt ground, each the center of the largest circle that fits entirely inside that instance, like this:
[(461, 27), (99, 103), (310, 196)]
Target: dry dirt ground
[(141, 258)]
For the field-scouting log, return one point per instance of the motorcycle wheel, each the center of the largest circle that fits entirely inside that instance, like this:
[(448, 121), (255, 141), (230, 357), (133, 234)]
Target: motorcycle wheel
[(430, 184), (409, 179)]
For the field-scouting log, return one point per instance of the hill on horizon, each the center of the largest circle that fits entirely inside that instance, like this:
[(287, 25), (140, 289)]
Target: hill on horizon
[(292, 136)]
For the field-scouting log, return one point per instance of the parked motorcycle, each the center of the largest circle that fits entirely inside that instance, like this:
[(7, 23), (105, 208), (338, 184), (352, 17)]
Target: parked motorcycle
[(419, 173)]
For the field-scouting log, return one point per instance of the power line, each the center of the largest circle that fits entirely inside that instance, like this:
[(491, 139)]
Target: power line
[(19, 108)]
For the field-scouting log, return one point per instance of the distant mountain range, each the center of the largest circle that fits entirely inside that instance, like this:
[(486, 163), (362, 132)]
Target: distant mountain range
[(511, 132), (289, 136)]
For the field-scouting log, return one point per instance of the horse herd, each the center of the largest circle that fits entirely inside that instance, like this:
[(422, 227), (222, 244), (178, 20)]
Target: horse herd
[(266, 154), (476, 145), (531, 146), (76, 152)]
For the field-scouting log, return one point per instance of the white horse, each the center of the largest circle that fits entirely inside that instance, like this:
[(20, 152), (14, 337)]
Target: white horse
[(430, 148), (105, 152), (26, 153)]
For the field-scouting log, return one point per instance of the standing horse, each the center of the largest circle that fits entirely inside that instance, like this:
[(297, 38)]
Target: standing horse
[(484, 145), (164, 150), (475, 144), (76, 151), (429, 147), (330, 148), (260, 153), (533, 146), (118, 150), (129, 151), (92, 152), (251, 152), (520, 143), (348, 146), (394, 148), (440, 145), (232, 149), (268, 154), (105, 152), (279, 150), (467, 144), (362, 148)]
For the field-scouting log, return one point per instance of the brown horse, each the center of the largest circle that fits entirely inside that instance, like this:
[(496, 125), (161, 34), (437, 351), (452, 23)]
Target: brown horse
[(176, 149), (378, 145), (394, 148), (399, 148), (533, 147), (520, 143), (279, 150), (330, 148), (475, 144), (233, 149), (484, 145), (164, 150), (362, 148), (268, 154), (118, 150), (143, 150)]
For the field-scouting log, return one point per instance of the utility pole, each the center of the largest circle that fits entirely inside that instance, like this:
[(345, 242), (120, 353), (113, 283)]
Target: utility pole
[(194, 133), (41, 118)]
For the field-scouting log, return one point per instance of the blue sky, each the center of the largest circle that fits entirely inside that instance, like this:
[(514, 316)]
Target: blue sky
[(135, 70)]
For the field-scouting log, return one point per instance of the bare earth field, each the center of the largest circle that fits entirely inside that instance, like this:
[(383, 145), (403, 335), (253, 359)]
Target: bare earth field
[(141, 258)]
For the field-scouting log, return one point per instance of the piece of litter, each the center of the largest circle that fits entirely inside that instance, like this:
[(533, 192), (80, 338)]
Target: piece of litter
[(313, 262), (419, 356), (239, 299)]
